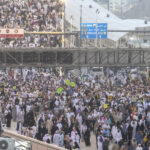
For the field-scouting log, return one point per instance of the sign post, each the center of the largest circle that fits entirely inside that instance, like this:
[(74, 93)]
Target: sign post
[(94, 31)]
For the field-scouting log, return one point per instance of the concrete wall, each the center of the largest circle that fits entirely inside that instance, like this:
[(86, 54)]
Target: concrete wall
[(36, 144)]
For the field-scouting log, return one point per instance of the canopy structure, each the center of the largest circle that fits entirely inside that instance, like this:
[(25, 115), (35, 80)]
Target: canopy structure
[(89, 15)]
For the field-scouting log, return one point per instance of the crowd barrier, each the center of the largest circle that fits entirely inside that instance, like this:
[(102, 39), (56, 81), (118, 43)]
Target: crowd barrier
[(36, 144)]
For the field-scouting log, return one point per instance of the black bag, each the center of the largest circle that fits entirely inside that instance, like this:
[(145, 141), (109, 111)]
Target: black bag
[(17, 126), (101, 139)]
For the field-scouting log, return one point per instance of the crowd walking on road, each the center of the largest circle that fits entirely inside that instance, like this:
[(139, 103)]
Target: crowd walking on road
[(65, 110)]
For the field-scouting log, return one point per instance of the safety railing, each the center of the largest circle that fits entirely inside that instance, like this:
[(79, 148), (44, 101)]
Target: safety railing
[(36, 144)]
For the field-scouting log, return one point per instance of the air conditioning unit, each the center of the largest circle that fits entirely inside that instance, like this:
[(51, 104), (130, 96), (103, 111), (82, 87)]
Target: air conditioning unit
[(7, 144)]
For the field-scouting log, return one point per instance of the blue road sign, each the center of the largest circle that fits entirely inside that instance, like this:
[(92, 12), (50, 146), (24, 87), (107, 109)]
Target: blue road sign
[(88, 30)]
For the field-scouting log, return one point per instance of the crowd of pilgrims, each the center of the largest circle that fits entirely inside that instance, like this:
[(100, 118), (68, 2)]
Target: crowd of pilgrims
[(33, 16), (114, 107)]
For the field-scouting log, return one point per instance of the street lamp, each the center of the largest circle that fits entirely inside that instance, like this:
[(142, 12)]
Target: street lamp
[(80, 24), (97, 13), (122, 9), (63, 30), (108, 5), (63, 22), (71, 18)]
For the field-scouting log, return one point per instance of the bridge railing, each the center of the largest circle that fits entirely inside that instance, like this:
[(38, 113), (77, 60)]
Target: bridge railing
[(74, 57), (36, 144)]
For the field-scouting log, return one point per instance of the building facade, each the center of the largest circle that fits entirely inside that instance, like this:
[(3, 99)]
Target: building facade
[(119, 6)]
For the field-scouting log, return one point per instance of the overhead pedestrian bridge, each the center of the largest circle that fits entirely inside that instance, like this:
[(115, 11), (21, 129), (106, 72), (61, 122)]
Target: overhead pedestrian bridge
[(74, 57)]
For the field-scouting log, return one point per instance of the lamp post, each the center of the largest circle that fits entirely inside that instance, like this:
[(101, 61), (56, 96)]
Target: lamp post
[(71, 27), (108, 5), (147, 72), (63, 22), (97, 13), (63, 30), (122, 5), (80, 24)]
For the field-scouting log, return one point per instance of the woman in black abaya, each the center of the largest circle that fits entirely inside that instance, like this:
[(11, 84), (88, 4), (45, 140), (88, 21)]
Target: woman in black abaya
[(130, 128), (8, 120), (87, 137)]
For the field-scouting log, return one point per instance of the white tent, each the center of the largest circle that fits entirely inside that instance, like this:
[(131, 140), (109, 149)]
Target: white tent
[(89, 16)]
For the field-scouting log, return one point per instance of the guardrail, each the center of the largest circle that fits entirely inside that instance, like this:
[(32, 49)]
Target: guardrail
[(36, 144)]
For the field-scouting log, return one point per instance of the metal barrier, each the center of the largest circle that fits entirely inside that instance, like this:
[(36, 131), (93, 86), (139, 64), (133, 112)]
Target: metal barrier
[(36, 144), (74, 57)]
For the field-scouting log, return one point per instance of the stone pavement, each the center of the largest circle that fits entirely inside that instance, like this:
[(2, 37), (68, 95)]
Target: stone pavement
[(13, 126)]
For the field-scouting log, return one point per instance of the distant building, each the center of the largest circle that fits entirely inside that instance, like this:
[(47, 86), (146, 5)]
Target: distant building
[(139, 10), (103, 3), (119, 6)]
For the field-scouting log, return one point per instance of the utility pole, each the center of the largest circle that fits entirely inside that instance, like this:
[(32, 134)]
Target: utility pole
[(97, 13), (121, 8), (63, 23), (80, 24), (71, 30), (108, 4)]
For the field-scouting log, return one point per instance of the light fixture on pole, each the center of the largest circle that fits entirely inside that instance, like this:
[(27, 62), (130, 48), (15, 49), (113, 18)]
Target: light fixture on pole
[(80, 24), (63, 22), (97, 13), (71, 28)]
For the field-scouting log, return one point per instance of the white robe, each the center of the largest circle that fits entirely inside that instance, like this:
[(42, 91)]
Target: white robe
[(79, 117), (134, 129), (100, 144), (78, 139), (25, 72), (61, 140), (20, 128), (21, 116), (56, 139), (118, 136), (73, 134), (46, 137), (74, 137), (59, 125), (113, 131)]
